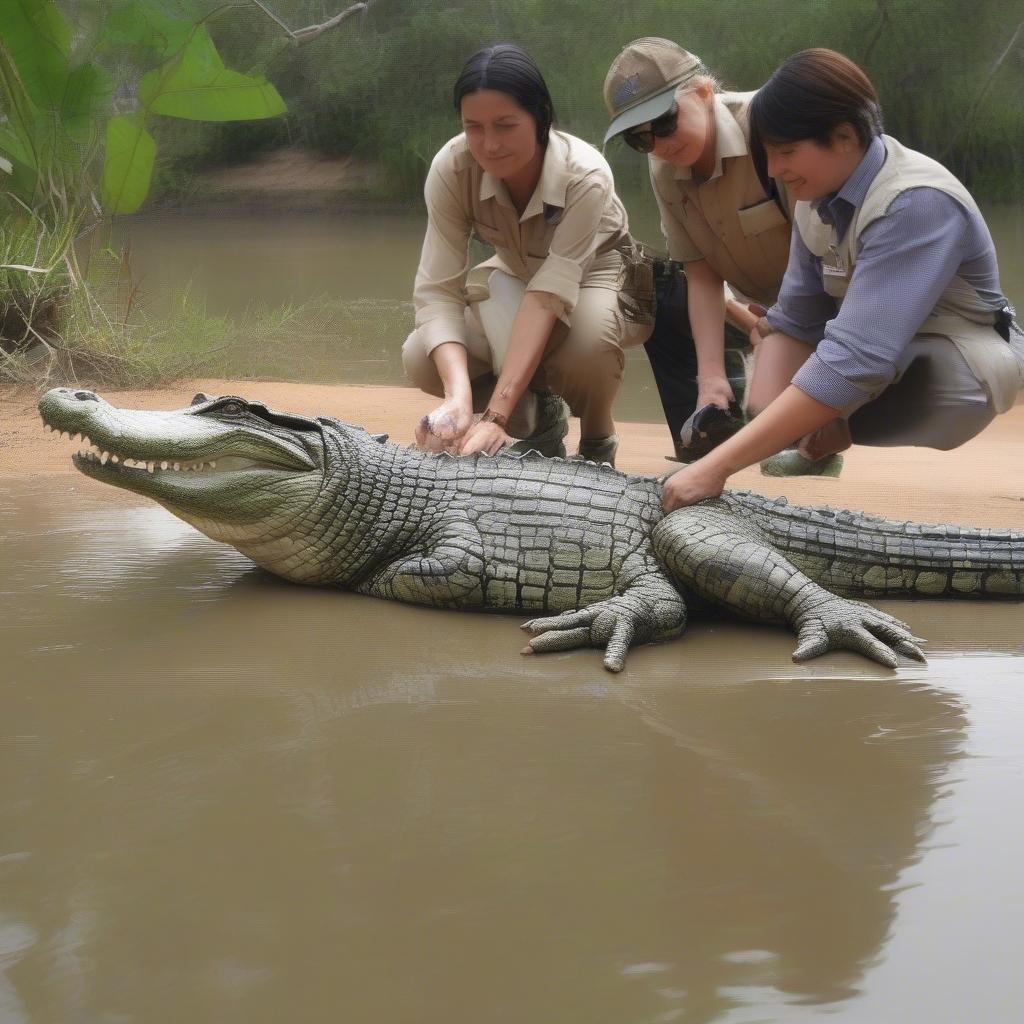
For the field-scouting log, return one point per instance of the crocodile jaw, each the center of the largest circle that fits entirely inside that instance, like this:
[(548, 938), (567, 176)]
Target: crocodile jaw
[(234, 485)]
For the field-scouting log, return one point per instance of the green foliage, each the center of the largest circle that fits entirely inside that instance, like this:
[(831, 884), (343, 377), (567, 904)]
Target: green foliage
[(57, 93), (383, 89), (60, 106), (128, 169), (110, 337), (195, 84)]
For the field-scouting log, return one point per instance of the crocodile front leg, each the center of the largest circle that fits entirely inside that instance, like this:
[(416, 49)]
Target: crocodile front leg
[(731, 562), (647, 610), (446, 570)]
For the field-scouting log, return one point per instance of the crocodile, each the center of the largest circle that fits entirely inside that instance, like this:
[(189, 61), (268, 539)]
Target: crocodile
[(585, 548)]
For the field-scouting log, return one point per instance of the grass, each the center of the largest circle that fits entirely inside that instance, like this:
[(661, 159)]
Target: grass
[(104, 334)]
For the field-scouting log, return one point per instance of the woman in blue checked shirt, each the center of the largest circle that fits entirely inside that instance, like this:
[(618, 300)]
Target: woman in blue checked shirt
[(891, 327)]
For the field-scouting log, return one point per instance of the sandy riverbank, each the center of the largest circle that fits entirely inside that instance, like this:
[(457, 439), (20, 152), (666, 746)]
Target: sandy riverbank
[(980, 484)]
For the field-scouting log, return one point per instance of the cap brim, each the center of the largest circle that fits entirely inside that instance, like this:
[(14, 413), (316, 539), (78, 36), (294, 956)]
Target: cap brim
[(641, 113)]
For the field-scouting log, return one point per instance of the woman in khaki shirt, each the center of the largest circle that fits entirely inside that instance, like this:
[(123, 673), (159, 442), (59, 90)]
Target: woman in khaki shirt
[(553, 307), (715, 214)]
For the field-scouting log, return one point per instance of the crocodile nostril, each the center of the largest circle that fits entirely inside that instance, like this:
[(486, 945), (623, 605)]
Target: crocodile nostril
[(86, 396)]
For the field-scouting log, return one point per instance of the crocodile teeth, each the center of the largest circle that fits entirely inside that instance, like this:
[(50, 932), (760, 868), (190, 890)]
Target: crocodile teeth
[(104, 457), (151, 466)]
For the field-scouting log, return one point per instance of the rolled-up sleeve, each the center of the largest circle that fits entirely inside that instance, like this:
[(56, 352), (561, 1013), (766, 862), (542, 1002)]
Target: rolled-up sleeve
[(573, 244), (438, 295), (680, 246), (906, 260)]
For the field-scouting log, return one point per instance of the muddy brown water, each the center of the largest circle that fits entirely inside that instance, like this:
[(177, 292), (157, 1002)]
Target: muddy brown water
[(224, 798)]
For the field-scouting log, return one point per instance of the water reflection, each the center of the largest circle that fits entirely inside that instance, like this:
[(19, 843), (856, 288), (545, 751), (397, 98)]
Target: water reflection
[(228, 803)]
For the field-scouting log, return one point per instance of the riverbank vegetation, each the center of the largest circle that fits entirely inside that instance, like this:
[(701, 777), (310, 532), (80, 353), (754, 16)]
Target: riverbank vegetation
[(105, 107), (950, 84), (80, 88)]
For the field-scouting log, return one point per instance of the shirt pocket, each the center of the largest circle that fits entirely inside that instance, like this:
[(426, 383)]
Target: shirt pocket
[(490, 236), (761, 217)]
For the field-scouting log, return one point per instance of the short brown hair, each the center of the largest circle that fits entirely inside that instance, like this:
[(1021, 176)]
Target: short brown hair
[(808, 97)]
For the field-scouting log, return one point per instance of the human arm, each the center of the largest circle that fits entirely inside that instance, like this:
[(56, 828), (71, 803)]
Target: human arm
[(440, 304), (443, 427), (705, 299), (789, 417)]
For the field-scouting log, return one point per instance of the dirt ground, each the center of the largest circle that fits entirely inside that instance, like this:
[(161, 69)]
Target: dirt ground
[(980, 484)]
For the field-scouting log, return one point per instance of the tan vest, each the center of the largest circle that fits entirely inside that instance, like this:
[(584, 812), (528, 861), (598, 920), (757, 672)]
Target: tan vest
[(960, 313)]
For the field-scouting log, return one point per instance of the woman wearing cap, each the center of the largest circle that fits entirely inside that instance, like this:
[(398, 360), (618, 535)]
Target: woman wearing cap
[(719, 220), (552, 308), (891, 327)]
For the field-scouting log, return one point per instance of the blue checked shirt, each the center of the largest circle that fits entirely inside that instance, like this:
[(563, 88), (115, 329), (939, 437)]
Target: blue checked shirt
[(906, 260)]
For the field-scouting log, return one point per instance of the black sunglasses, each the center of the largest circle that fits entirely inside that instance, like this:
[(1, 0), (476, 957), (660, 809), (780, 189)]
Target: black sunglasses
[(642, 139)]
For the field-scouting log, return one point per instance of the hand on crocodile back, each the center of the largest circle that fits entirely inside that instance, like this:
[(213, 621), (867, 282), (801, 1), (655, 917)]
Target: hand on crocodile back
[(444, 428), (321, 502), (484, 436)]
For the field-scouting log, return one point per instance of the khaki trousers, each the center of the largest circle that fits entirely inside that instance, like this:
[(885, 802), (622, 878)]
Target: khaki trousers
[(936, 402), (583, 361)]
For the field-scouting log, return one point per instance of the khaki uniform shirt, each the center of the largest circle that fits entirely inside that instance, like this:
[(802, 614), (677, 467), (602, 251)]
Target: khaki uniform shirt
[(572, 217), (727, 220)]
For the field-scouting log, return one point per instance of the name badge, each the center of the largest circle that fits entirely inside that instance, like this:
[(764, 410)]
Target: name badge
[(833, 264)]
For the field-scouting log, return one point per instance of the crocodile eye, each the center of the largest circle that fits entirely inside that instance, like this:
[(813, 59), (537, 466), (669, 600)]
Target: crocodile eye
[(232, 409)]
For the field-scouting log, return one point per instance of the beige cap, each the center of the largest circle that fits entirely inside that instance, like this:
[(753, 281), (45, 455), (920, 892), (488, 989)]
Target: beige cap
[(642, 81)]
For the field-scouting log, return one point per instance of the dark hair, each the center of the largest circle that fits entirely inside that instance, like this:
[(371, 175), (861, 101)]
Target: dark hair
[(507, 68), (808, 97)]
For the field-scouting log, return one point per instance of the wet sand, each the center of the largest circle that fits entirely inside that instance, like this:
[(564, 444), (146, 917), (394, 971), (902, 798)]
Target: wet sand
[(980, 484)]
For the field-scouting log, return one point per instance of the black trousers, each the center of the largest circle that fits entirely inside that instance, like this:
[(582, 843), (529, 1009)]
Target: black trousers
[(673, 356)]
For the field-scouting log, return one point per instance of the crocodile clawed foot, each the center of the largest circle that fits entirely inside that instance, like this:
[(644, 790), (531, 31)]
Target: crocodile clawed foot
[(616, 625), (854, 626)]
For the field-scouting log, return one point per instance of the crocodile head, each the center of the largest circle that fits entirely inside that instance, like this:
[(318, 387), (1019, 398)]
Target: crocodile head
[(237, 471)]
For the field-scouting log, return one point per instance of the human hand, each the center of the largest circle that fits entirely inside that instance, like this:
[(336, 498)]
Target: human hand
[(692, 484), (759, 313), (443, 429), (714, 391), (484, 436)]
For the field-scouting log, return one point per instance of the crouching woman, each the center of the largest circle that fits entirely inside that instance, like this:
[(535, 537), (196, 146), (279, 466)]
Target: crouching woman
[(551, 312), (891, 327)]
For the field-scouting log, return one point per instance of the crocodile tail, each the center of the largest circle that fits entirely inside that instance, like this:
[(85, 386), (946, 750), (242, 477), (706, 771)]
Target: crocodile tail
[(861, 555)]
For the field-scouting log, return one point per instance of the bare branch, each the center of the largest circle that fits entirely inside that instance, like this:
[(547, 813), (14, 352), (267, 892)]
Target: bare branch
[(968, 121), (876, 34), (310, 32), (273, 17)]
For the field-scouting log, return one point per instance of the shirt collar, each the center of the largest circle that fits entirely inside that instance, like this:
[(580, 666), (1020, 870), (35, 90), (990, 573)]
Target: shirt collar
[(729, 140), (551, 188), (838, 208)]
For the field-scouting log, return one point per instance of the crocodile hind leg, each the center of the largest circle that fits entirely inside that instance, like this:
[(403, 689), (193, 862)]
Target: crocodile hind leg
[(648, 610), (729, 560)]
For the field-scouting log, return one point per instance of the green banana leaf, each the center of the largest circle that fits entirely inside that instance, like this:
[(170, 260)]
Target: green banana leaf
[(128, 166), (195, 85), (37, 39), (144, 24)]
